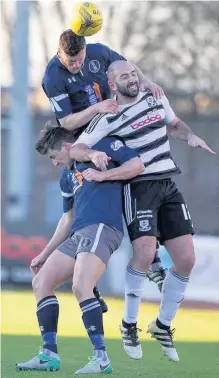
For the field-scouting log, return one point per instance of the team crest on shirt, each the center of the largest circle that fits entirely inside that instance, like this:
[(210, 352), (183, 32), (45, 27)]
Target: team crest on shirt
[(144, 225), (94, 66), (151, 101), (116, 145)]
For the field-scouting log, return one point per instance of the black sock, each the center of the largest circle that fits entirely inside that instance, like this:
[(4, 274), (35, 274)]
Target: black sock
[(128, 325), (161, 325), (48, 314), (93, 322)]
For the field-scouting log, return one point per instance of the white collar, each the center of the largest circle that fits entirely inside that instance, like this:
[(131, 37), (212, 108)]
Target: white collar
[(121, 107)]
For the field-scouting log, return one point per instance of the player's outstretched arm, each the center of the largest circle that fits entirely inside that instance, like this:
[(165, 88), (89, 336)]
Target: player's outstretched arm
[(127, 170), (61, 233), (74, 121), (179, 129)]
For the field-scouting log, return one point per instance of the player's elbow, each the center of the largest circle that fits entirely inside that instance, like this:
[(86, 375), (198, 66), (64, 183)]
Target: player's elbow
[(68, 217), (63, 122), (68, 124), (79, 152), (172, 126)]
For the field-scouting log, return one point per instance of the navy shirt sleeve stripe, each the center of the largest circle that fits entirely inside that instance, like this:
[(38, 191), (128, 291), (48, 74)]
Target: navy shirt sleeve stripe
[(66, 187)]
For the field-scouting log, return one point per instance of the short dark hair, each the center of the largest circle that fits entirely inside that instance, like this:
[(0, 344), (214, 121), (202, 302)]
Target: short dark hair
[(71, 43), (52, 138)]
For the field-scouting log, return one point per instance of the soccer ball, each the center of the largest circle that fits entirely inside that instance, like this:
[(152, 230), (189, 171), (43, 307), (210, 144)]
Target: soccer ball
[(87, 19)]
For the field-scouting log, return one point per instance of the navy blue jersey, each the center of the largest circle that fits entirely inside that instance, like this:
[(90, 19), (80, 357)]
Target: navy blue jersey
[(72, 93), (96, 202)]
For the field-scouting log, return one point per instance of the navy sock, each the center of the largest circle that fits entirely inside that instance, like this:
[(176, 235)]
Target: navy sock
[(156, 263), (48, 314), (93, 322)]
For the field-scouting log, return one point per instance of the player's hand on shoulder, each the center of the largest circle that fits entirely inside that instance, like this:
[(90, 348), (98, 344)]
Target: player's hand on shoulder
[(195, 141), (156, 90), (100, 159), (108, 106), (37, 263), (91, 174)]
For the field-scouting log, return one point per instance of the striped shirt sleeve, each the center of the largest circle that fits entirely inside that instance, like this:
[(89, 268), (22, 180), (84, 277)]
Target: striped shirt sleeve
[(170, 115), (96, 130)]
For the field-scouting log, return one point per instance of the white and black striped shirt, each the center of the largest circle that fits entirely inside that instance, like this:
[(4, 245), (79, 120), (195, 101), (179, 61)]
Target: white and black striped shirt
[(142, 125)]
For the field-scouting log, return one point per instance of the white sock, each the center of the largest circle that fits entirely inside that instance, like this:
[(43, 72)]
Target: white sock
[(156, 263), (101, 354), (48, 352), (134, 285), (174, 288)]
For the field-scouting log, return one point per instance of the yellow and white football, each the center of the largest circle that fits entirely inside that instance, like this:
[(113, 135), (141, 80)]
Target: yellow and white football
[(87, 19)]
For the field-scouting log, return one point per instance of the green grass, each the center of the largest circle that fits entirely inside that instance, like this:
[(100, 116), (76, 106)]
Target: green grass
[(197, 360)]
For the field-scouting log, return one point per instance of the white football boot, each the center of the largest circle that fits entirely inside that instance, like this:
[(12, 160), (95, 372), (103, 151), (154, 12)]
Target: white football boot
[(165, 338), (98, 364), (131, 341), (157, 276), (44, 361)]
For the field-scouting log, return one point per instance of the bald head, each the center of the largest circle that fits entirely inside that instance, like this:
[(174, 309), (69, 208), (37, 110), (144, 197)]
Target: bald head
[(118, 67), (123, 80)]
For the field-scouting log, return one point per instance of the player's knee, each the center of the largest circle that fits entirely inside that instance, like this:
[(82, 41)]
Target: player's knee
[(35, 284), (191, 261), (38, 285), (81, 288), (77, 289), (143, 258), (144, 249), (186, 264), (42, 286)]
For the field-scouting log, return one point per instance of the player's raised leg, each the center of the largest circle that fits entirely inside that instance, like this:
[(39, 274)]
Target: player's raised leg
[(176, 230), (101, 241), (143, 253), (89, 268), (56, 270), (181, 250)]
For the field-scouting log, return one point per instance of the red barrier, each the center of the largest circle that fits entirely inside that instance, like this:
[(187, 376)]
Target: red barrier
[(21, 247)]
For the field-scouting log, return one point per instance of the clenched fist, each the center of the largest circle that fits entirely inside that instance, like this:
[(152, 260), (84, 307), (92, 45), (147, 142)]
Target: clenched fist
[(37, 263)]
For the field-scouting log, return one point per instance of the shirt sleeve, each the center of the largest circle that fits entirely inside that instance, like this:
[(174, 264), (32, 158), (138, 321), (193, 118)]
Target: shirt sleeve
[(58, 97), (67, 195), (118, 151), (97, 129), (170, 115)]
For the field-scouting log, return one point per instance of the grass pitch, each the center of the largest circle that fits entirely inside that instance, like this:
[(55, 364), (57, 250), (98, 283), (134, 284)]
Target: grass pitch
[(196, 340), (197, 360)]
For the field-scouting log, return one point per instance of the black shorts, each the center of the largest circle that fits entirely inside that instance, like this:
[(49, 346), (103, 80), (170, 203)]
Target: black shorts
[(156, 208)]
